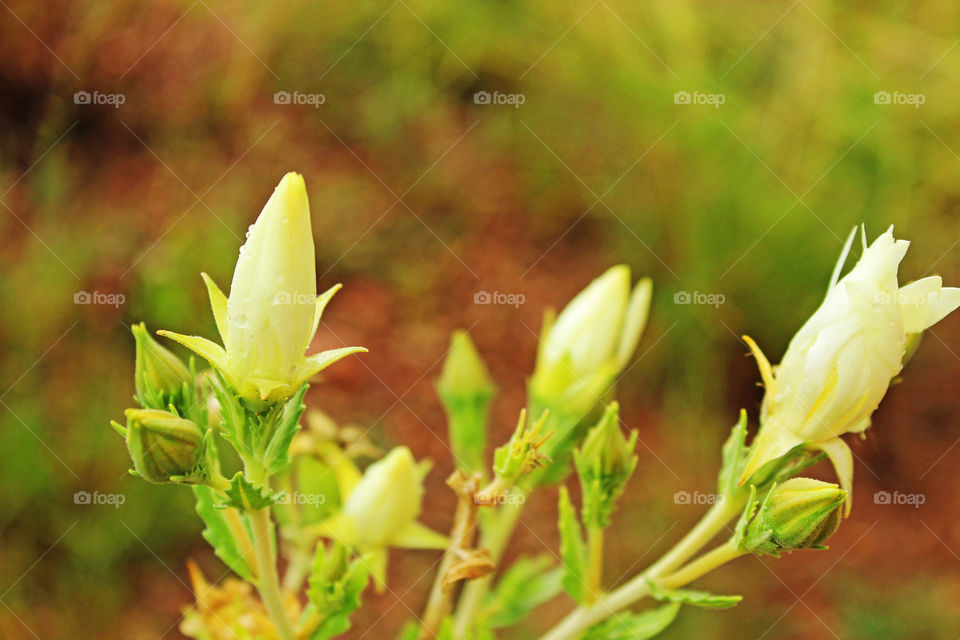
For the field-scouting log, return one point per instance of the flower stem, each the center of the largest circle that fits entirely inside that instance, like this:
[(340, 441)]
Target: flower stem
[(663, 570), (268, 583), (583, 618), (268, 579), (595, 548)]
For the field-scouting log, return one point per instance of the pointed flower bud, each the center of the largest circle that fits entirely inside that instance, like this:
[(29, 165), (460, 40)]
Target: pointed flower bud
[(839, 365), (465, 388), (159, 375), (591, 342), (801, 513), (521, 454), (604, 464), (273, 310), (164, 447)]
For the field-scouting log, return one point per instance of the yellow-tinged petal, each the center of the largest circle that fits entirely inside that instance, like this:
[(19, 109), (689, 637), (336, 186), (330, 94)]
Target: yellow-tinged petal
[(766, 371), (218, 303), (418, 536), (322, 304), (344, 469), (206, 349), (339, 528), (635, 320), (842, 459), (265, 386), (769, 444), (314, 364)]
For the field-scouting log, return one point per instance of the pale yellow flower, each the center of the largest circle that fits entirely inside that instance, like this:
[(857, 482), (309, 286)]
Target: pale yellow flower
[(591, 341), (273, 310), (838, 366)]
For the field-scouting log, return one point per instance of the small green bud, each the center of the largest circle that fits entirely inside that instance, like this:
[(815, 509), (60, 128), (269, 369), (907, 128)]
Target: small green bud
[(159, 374), (465, 388), (605, 451), (604, 464), (520, 455), (801, 513), (464, 372), (164, 447)]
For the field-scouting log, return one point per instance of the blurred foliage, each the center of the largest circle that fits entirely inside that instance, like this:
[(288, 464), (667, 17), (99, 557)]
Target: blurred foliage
[(422, 198)]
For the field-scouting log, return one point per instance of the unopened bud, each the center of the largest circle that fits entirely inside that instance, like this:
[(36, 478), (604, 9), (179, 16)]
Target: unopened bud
[(159, 375), (164, 447), (801, 513), (604, 464), (465, 388)]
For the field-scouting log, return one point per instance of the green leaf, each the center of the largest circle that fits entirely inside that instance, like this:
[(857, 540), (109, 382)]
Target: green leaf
[(573, 550), (246, 496), (528, 583), (634, 626), (233, 417), (334, 591), (276, 456), (218, 532), (691, 597)]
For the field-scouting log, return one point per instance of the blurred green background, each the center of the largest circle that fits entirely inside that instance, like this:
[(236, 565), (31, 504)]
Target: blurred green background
[(422, 196)]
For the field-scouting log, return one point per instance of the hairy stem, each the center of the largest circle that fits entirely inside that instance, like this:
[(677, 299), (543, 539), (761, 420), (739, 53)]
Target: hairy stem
[(268, 583), (268, 579)]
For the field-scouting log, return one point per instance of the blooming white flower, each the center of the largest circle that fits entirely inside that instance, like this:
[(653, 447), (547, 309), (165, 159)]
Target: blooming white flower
[(382, 509), (838, 366), (591, 340), (273, 310)]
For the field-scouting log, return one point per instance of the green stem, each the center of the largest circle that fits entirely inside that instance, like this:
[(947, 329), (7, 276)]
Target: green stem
[(495, 535), (268, 583), (268, 579), (595, 548), (583, 618)]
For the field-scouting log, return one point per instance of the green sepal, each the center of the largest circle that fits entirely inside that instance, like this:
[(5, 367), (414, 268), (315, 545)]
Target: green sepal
[(218, 533), (634, 626), (247, 496), (276, 455), (233, 416), (573, 550), (749, 509), (695, 598), (335, 587), (528, 583)]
